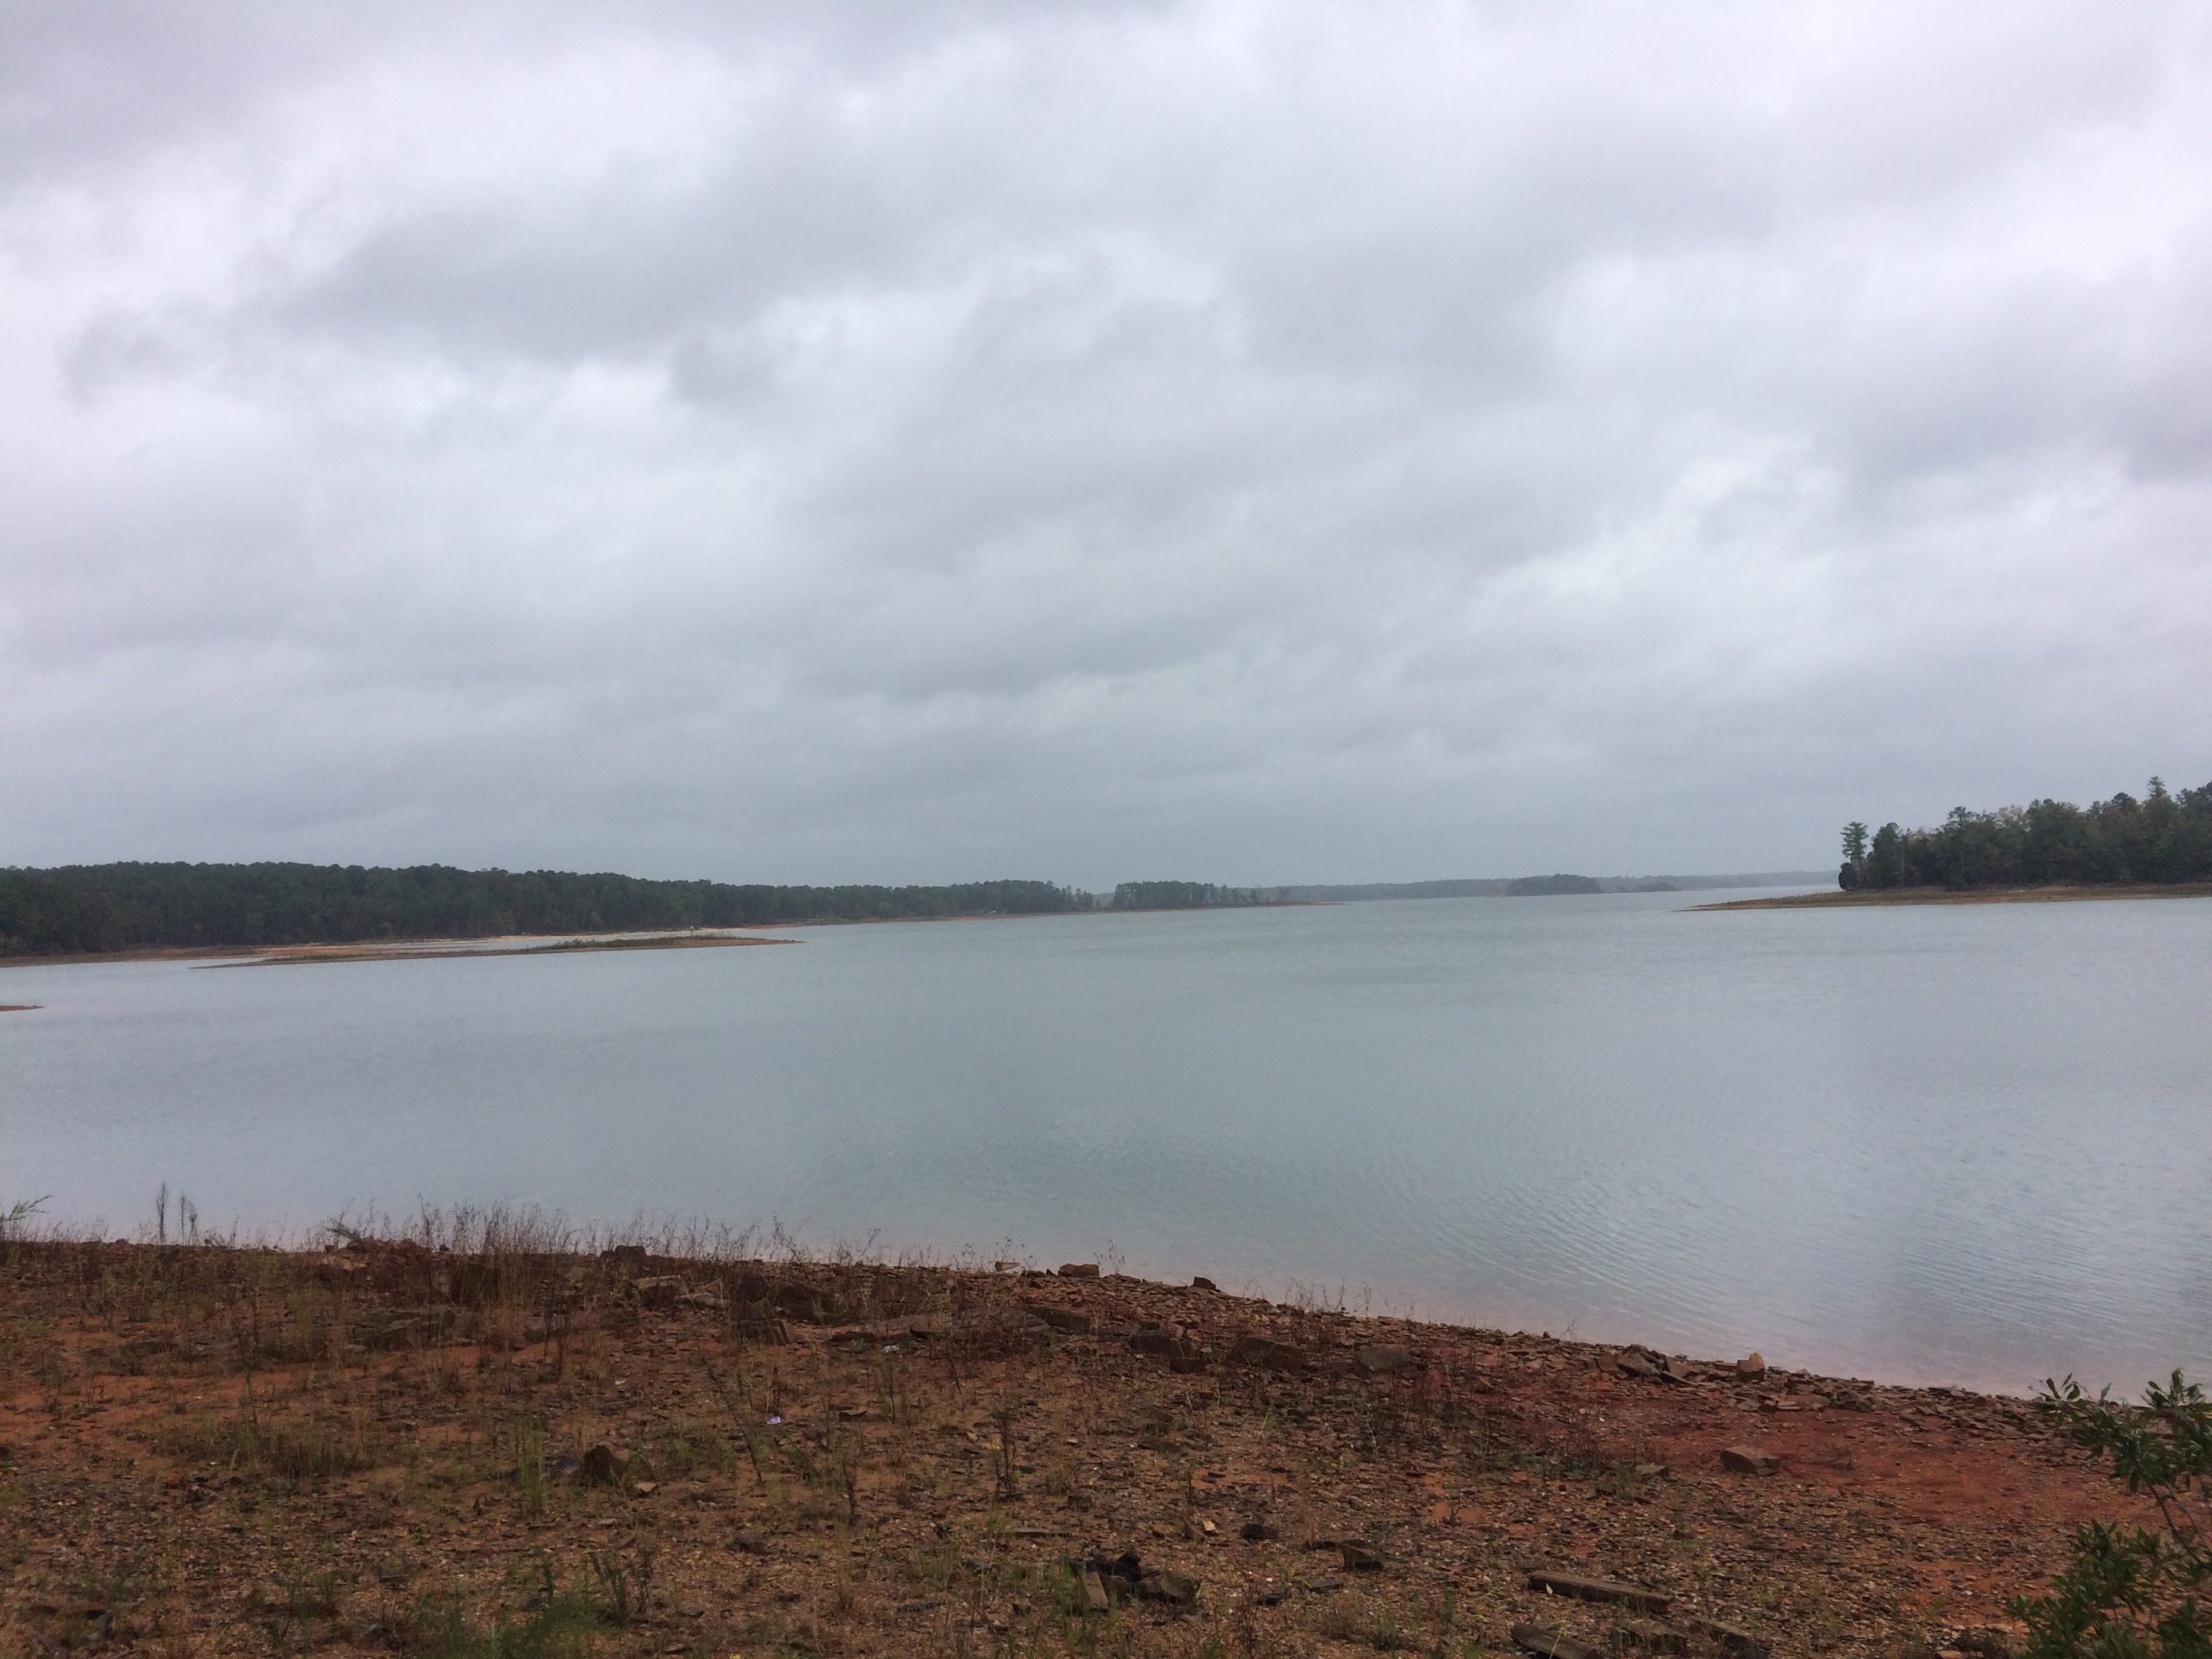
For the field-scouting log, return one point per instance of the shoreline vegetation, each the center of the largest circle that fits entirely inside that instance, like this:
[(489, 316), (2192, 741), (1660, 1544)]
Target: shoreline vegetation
[(2053, 893), (2164, 840), (95, 910), (492, 1433), (151, 911)]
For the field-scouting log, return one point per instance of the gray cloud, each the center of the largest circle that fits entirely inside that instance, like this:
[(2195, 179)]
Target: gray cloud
[(924, 442)]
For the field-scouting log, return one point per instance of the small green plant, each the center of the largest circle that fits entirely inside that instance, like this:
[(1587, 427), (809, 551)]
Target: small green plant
[(526, 1437), (15, 1220), (281, 1451), (2134, 1593), (936, 1567), (624, 1586), (560, 1629)]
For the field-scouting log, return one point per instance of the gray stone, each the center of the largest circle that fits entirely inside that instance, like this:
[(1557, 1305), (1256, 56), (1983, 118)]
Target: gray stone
[(1749, 1460), (1360, 1556), (1382, 1359), (1560, 1582), (1552, 1645), (1176, 1589), (1268, 1355)]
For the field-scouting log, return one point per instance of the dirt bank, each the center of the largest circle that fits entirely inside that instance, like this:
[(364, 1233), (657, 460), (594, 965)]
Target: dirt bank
[(215, 1451)]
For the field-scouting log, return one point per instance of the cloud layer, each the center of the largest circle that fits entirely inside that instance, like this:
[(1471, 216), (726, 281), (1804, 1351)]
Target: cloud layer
[(1259, 442)]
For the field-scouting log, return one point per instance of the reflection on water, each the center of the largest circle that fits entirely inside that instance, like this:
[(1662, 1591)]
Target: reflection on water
[(1947, 1144)]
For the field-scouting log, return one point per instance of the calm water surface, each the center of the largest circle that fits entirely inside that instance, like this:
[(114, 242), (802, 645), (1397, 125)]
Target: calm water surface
[(1966, 1144)]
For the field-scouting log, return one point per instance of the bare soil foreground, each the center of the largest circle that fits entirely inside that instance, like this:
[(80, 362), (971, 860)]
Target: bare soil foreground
[(2045, 895), (390, 1448)]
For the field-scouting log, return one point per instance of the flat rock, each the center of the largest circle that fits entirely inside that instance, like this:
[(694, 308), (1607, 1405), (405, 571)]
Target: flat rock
[(1641, 1635), (1752, 1364), (1268, 1355), (1201, 1282), (1560, 1582), (1634, 1363), (1359, 1556), (1063, 1318), (1989, 1643), (1078, 1269), (1181, 1353), (1736, 1643), (1259, 1532), (1382, 1359), (1176, 1589), (1553, 1644), (1749, 1460)]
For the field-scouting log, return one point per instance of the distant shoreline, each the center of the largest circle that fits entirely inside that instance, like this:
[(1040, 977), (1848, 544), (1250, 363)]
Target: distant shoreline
[(2055, 894), (509, 944), (431, 950), (438, 952)]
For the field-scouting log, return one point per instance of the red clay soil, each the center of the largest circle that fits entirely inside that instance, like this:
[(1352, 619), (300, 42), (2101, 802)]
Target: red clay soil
[(207, 1451)]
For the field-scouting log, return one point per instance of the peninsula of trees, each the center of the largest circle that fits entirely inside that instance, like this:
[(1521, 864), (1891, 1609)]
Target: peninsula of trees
[(1182, 895), (2163, 839), (88, 908)]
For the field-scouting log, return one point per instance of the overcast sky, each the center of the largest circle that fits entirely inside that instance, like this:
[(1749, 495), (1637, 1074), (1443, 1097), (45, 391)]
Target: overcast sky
[(1256, 443)]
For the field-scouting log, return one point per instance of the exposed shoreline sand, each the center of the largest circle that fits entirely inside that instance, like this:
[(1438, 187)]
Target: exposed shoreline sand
[(441, 950)]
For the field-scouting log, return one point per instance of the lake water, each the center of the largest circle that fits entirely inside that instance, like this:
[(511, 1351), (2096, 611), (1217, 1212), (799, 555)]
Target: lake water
[(1947, 1144)]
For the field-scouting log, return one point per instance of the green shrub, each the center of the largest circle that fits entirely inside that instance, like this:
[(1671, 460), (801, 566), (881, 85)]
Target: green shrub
[(2134, 1593)]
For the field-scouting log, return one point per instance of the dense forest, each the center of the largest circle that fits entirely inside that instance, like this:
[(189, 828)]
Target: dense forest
[(1181, 895), (1554, 886), (92, 908), (2162, 838)]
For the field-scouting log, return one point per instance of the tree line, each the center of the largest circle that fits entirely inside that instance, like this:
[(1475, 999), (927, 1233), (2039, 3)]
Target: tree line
[(2162, 838), (1181, 895), (100, 907)]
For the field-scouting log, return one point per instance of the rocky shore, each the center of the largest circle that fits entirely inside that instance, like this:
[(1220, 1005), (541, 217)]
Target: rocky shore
[(389, 1447)]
